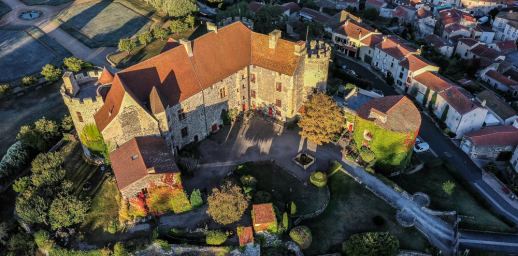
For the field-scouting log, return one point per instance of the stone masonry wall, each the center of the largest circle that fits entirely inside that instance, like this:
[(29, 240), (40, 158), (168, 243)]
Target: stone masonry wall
[(266, 94), (131, 121), (87, 107), (317, 66), (133, 189), (194, 120)]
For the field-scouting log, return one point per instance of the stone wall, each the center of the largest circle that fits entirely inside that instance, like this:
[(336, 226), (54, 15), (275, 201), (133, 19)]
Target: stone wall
[(87, 107), (194, 120), (317, 66), (266, 94), (133, 189)]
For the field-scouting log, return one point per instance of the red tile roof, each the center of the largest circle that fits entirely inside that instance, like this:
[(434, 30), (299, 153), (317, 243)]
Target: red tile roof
[(264, 213), (292, 6), (455, 27), (375, 2), (501, 78), (254, 6), (434, 81), (316, 15), (282, 59), (458, 99), (415, 62), (354, 29), (399, 11), (482, 50), (465, 82), (423, 13), (246, 237), (495, 136), (454, 16), (151, 153), (171, 43), (106, 77), (402, 116), (373, 40), (468, 41), (506, 45), (396, 47)]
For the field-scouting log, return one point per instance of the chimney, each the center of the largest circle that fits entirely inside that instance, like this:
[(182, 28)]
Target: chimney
[(188, 46), (360, 34), (300, 47), (274, 36), (384, 39), (359, 19), (483, 103), (212, 27), (321, 9), (398, 45), (151, 170), (346, 23)]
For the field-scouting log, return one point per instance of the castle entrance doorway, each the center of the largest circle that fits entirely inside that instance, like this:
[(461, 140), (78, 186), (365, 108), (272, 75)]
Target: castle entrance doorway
[(244, 107)]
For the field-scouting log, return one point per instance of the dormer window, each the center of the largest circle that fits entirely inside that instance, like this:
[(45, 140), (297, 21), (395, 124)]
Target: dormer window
[(134, 157)]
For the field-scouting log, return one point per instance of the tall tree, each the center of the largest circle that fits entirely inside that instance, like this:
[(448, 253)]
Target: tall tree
[(371, 13), (321, 119), (159, 32), (371, 244), (145, 38), (190, 20), (227, 204), (268, 18), (51, 73), (32, 208), (41, 135), (179, 8), (177, 26), (126, 45), (73, 63), (313, 30), (67, 210)]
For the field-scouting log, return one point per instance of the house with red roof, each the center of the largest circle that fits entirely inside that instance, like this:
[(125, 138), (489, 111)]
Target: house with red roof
[(389, 52), (482, 7), (449, 16), (483, 34), (495, 143), (141, 161), (500, 81), (425, 20), (445, 47), (263, 217), (412, 66), (505, 24), (348, 37), (468, 48), (246, 235), (503, 47), (498, 109), (455, 29)]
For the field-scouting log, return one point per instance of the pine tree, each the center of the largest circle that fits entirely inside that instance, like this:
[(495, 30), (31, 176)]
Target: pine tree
[(196, 200)]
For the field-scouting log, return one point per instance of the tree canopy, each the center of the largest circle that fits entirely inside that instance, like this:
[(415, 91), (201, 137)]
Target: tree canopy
[(321, 119), (371, 244), (240, 9), (67, 210), (313, 30), (175, 8), (126, 45), (371, 13), (41, 135), (145, 38), (159, 32), (51, 73), (177, 26), (227, 204), (268, 18), (73, 63)]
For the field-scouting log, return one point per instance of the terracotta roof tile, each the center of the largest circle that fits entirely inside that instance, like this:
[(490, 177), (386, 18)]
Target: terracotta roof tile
[(264, 213), (354, 29), (375, 2), (399, 11), (506, 45), (396, 47), (482, 50), (436, 40), (501, 78), (455, 27), (468, 41), (495, 136), (106, 77), (434, 81), (458, 99), (247, 236), (402, 116), (501, 109), (373, 40), (111, 105), (149, 153), (282, 59), (171, 43), (450, 16), (415, 62)]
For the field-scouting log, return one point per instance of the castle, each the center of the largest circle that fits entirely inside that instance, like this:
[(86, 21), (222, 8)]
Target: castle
[(180, 93)]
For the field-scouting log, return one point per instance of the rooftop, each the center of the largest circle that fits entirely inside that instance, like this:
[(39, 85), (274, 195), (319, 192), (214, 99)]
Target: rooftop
[(264, 213), (459, 99), (468, 41), (399, 11), (495, 136), (315, 15), (497, 105), (88, 89), (375, 2), (436, 41), (423, 13), (501, 78), (246, 237), (483, 50), (511, 73), (455, 27), (395, 46), (434, 81), (506, 45), (338, 19), (254, 6), (415, 62), (354, 29)]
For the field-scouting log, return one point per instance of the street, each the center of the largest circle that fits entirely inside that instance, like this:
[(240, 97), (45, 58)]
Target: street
[(443, 147)]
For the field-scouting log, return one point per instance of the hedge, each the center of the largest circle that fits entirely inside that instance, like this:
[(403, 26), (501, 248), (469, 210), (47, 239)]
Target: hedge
[(301, 235), (216, 237), (335, 166), (318, 179)]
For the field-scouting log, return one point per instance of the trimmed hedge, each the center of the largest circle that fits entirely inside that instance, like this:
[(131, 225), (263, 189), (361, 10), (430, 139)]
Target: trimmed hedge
[(335, 166), (216, 237), (318, 179), (301, 235)]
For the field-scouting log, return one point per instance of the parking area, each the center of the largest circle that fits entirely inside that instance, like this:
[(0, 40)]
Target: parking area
[(427, 155)]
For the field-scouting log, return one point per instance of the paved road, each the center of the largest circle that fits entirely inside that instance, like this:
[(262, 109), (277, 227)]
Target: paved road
[(507, 243), (96, 56)]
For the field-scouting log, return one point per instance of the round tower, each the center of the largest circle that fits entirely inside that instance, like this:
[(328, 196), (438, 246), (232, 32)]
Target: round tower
[(317, 65)]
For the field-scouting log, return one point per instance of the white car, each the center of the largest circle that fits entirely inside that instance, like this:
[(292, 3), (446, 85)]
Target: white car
[(417, 140), (350, 72), (421, 147)]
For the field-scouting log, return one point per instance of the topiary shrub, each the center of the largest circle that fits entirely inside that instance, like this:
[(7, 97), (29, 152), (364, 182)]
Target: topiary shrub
[(334, 167), (367, 155), (447, 130), (216, 237), (378, 221), (318, 179), (302, 236)]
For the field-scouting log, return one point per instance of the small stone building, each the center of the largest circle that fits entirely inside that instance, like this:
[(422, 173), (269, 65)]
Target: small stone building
[(141, 161), (263, 217), (495, 143), (246, 236)]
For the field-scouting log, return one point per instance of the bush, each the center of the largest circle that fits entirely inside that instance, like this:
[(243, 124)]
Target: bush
[(242, 169), (41, 136), (164, 244), (302, 236), (335, 166), (491, 167), (371, 244), (447, 130), (367, 155), (196, 200), (293, 208), (120, 249), (292, 124), (262, 197), (318, 179), (216, 237), (247, 181), (351, 157), (113, 226), (43, 240), (21, 244), (22, 184), (28, 81), (88, 65), (73, 63), (434, 163), (5, 89)]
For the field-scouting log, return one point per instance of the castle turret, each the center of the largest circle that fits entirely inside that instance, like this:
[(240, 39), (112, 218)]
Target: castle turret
[(106, 77), (317, 66), (70, 83)]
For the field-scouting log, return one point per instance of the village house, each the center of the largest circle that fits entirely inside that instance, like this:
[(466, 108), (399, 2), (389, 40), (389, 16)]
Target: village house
[(495, 143), (455, 29), (483, 34), (291, 9), (500, 111), (348, 37), (263, 217), (464, 45), (461, 113), (374, 4), (503, 47), (367, 47), (505, 24), (425, 21), (409, 67), (445, 47), (246, 235), (511, 73), (339, 19), (468, 48), (389, 52), (500, 82), (450, 16), (481, 7)]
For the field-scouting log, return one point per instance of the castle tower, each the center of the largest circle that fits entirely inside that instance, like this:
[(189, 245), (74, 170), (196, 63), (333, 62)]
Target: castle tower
[(70, 84), (316, 66)]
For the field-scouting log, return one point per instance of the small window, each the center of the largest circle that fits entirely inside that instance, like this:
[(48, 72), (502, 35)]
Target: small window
[(252, 78), (279, 87), (243, 77), (244, 98), (243, 85), (255, 66), (253, 93), (184, 132), (279, 103), (278, 112), (79, 117), (401, 75), (134, 157), (392, 64), (181, 115), (408, 79), (223, 92)]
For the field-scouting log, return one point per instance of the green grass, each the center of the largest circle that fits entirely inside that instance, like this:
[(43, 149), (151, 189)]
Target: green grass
[(79, 171), (4, 9), (350, 211), (272, 177), (142, 53), (430, 182)]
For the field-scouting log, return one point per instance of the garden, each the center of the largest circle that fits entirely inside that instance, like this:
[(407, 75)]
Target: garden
[(464, 199)]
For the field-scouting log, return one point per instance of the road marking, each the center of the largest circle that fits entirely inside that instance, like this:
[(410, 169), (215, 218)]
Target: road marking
[(447, 154), (433, 152), (495, 203), (469, 241)]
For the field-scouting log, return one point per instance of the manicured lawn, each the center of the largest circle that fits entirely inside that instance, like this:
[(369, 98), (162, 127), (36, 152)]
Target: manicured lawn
[(4, 9), (142, 53), (285, 188), (350, 211), (430, 182)]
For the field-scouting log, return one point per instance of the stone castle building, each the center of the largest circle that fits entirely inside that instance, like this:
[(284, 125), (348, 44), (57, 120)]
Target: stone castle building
[(180, 94)]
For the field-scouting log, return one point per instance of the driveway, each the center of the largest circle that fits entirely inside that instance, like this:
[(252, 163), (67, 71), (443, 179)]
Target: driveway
[(507, 243), (96, 56), (443, 147)]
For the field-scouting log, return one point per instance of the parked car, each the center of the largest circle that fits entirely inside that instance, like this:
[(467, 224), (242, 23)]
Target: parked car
[(421, 147), (417, 141), (350, 72)]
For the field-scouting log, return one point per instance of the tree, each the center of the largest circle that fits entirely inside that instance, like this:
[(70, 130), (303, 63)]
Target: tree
[(216, 237), (126, 45), (5, 89), (28, 81), (413, 92), (145, 38), (425, 98), (367, 155), (177, 26), (73, 63), (119, 249), (32, 208), (445, 113), (47, 161), (190, 20), (371, 13), (227, 204), (313, 30), (240, 9), (321, 120), (268, 18), (179, 8), (472, 66), (493, 12), (301, 235), (22, 184), (3, 232), (67, 124), (196, 200), (159, 32), (41, 135), (51, 73), (448, 187), (293, 208), (21, 244), (371, 244), (67, 210), (404, 33), (43, 240)]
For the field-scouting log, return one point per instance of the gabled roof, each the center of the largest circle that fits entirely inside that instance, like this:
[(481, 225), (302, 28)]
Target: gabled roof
[(171, 43), (395, 46), (140, 157), (511, 73), (399, 112), (483, 50), (423, 13), (468, 41), (399, 11), (264, 213), (506, 45), (282, 59), (354, 29), (246, 237), (157, 103), (315, 15), (497, 105), (449, 16), (458, 99), (501, 78), (455, 27), (375, 2), (372, 40), (292, 6), (465, 82), (415, 62), (436, 40), (254, 6), (495, 136), (338, 19), (434, 81), (481, 28), (106, 77)]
